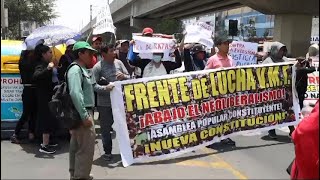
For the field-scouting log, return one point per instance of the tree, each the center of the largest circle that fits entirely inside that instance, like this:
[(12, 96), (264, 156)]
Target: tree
[(251, 29), (39, 11), (248, 30), (169, 26)]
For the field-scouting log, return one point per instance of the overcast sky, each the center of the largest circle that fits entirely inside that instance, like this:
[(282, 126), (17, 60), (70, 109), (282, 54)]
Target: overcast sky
[(75, 14)]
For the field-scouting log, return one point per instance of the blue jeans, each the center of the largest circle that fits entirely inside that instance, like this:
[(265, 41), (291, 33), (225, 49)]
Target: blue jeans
[(106, 121)]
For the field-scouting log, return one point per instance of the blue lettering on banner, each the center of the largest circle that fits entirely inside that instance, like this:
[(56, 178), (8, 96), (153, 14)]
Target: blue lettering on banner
[(11, 101)]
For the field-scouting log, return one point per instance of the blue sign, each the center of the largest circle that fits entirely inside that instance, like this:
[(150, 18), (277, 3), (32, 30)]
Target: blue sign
[(11, 97)]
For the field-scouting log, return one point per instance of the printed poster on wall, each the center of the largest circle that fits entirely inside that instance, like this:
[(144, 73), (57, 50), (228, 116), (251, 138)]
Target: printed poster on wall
[(243, 53), (11, 97), (163, 117)]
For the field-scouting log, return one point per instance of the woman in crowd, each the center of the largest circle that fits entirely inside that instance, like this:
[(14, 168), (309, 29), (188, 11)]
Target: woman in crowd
[(66, 59), (122, 53), (303, 69), (26, 67), (44, 88), (277, 54), (195, 59)]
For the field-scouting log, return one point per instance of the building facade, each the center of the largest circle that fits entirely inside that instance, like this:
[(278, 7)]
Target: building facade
[(27, 27), (252, 26)]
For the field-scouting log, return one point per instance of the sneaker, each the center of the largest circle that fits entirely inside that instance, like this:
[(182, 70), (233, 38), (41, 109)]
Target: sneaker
[(14, 139), (272, 135), (46, 149), (107, 157), (228, 141)]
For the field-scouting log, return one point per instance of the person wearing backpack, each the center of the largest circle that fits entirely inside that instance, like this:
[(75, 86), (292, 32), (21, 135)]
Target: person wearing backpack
[(80, 87), (105, 72)]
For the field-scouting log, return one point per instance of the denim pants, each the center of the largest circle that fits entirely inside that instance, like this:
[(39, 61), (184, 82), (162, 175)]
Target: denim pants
[(106, 121)]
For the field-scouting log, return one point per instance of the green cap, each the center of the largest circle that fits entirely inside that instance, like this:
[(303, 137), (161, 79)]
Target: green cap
[(82, 45)]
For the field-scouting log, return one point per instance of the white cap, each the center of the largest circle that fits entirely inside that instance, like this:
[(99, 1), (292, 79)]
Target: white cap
[(70, 42)]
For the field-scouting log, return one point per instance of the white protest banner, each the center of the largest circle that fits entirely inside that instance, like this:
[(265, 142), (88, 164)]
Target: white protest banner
[(312, 94), (104, 21), (165, 116), (167, 36), (199, 33), (243, 53), (145, 46)]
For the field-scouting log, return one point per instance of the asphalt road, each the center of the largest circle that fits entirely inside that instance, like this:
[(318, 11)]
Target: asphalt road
[(253, 157)]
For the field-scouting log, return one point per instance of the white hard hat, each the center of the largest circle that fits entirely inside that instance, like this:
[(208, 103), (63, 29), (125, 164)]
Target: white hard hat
[(70, 42)]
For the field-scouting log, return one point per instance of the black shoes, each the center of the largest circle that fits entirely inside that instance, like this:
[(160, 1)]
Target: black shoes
[(14, 139), (228, 141), (46, 149), (107, 157)]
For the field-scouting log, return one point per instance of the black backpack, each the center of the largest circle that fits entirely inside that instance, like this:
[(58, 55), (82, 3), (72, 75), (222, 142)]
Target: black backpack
[(61, 105)]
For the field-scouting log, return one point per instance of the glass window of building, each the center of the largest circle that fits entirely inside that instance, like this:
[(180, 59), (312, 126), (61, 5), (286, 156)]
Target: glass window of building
[(253, 26)]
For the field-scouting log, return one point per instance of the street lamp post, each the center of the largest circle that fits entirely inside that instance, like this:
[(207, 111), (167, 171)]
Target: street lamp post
[(91, 16)]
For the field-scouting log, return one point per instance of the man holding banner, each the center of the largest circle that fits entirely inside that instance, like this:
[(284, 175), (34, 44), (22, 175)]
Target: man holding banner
[(148, 32), (221, 60), (195, 60), (153, 50), (105, 73)]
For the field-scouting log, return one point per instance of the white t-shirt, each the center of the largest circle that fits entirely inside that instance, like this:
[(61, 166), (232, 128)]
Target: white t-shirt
[(151, 70)]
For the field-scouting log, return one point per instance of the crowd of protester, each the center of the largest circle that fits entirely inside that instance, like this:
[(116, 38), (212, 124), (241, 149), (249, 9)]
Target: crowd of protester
[(90, 84)]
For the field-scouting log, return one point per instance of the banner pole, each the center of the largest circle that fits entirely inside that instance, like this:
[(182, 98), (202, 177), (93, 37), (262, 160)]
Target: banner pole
[(89, 35)]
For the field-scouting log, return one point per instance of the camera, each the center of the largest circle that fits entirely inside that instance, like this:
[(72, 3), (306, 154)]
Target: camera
[(103, 81)]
